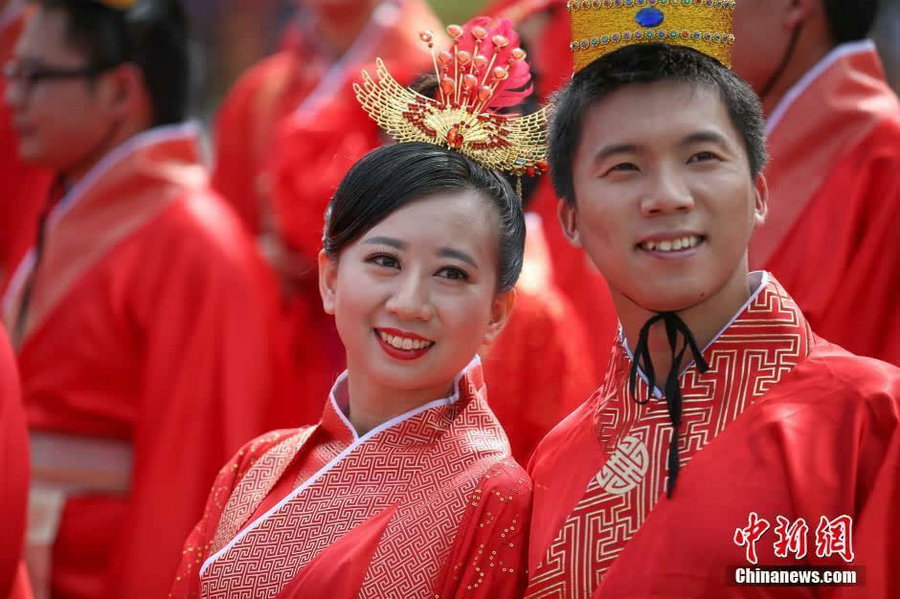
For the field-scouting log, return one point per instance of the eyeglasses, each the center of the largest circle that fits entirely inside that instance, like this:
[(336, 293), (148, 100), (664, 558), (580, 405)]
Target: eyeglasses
[(31, 74)]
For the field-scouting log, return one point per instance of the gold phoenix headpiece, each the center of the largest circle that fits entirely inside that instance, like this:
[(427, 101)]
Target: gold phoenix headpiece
[(483, 71), (603, 26)]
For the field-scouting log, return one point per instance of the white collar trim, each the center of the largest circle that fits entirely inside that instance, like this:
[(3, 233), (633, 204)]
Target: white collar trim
[(796, 90), (143, 139), (338, 390), (137, 142)]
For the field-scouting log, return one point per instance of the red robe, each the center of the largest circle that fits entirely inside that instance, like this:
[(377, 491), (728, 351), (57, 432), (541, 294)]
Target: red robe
[(25, 187), (782, 424), (245, 126), (13, 473), (834, 210), (429, 504), (579, 280), (146, 361)]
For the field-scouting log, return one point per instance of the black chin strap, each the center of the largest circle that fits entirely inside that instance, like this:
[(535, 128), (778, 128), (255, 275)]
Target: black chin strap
[(785, 61), (642, 360)]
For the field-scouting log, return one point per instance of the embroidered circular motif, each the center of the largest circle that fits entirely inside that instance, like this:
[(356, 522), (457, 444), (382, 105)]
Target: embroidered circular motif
[(625, 468)]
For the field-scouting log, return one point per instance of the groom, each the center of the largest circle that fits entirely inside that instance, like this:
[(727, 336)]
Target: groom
[(727, 439)]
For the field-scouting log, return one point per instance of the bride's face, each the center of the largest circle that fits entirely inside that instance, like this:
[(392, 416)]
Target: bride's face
[(415, 297)]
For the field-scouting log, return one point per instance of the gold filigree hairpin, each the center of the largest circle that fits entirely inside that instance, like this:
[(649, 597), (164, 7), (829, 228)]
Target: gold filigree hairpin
[(483, 71)]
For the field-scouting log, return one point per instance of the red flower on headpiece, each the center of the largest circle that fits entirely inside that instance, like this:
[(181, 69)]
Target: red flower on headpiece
[(497, 41)]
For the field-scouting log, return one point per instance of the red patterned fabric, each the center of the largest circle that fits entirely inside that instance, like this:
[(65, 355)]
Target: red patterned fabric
[(429, 504), (150, 323), (783, 423), (834, 182)]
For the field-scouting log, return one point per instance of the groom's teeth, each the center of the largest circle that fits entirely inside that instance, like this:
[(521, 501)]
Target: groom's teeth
[(672, 245)]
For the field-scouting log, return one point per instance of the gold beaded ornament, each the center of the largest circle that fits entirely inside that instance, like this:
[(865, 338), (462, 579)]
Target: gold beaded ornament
[(480, 73), (603, 26)]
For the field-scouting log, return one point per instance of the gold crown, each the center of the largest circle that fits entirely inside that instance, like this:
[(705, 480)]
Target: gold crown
[(603, 26), (474, 76)]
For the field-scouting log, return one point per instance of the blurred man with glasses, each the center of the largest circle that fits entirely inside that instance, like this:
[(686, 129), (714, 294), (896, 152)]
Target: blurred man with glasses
[(142, 318), (24, 186)]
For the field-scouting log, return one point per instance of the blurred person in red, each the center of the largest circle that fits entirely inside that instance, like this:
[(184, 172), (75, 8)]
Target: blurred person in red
[(24, 186), (544, 25), (142, 317), (309, 79), (833, 133), (324, 47), (14, 477), (540, 365)]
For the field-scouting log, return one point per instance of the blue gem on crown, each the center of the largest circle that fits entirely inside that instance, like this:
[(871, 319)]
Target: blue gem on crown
[(649, 17)]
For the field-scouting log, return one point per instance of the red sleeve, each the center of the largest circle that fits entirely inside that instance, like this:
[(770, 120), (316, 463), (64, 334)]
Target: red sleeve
[(877, 525), (234, 174), (13, 467), (489, 555), (863, 315), (197, 546), (208, 382), (846, 280)]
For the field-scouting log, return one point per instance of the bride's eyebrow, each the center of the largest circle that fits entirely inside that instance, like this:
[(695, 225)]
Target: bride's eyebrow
[(446, 252), (390, 241)]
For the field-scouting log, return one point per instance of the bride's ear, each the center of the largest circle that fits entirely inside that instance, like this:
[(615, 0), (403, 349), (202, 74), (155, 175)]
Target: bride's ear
[(328, 268), (501, 309)]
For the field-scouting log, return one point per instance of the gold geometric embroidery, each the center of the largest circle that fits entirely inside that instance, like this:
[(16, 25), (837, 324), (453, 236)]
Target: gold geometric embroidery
[(255, 485)]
